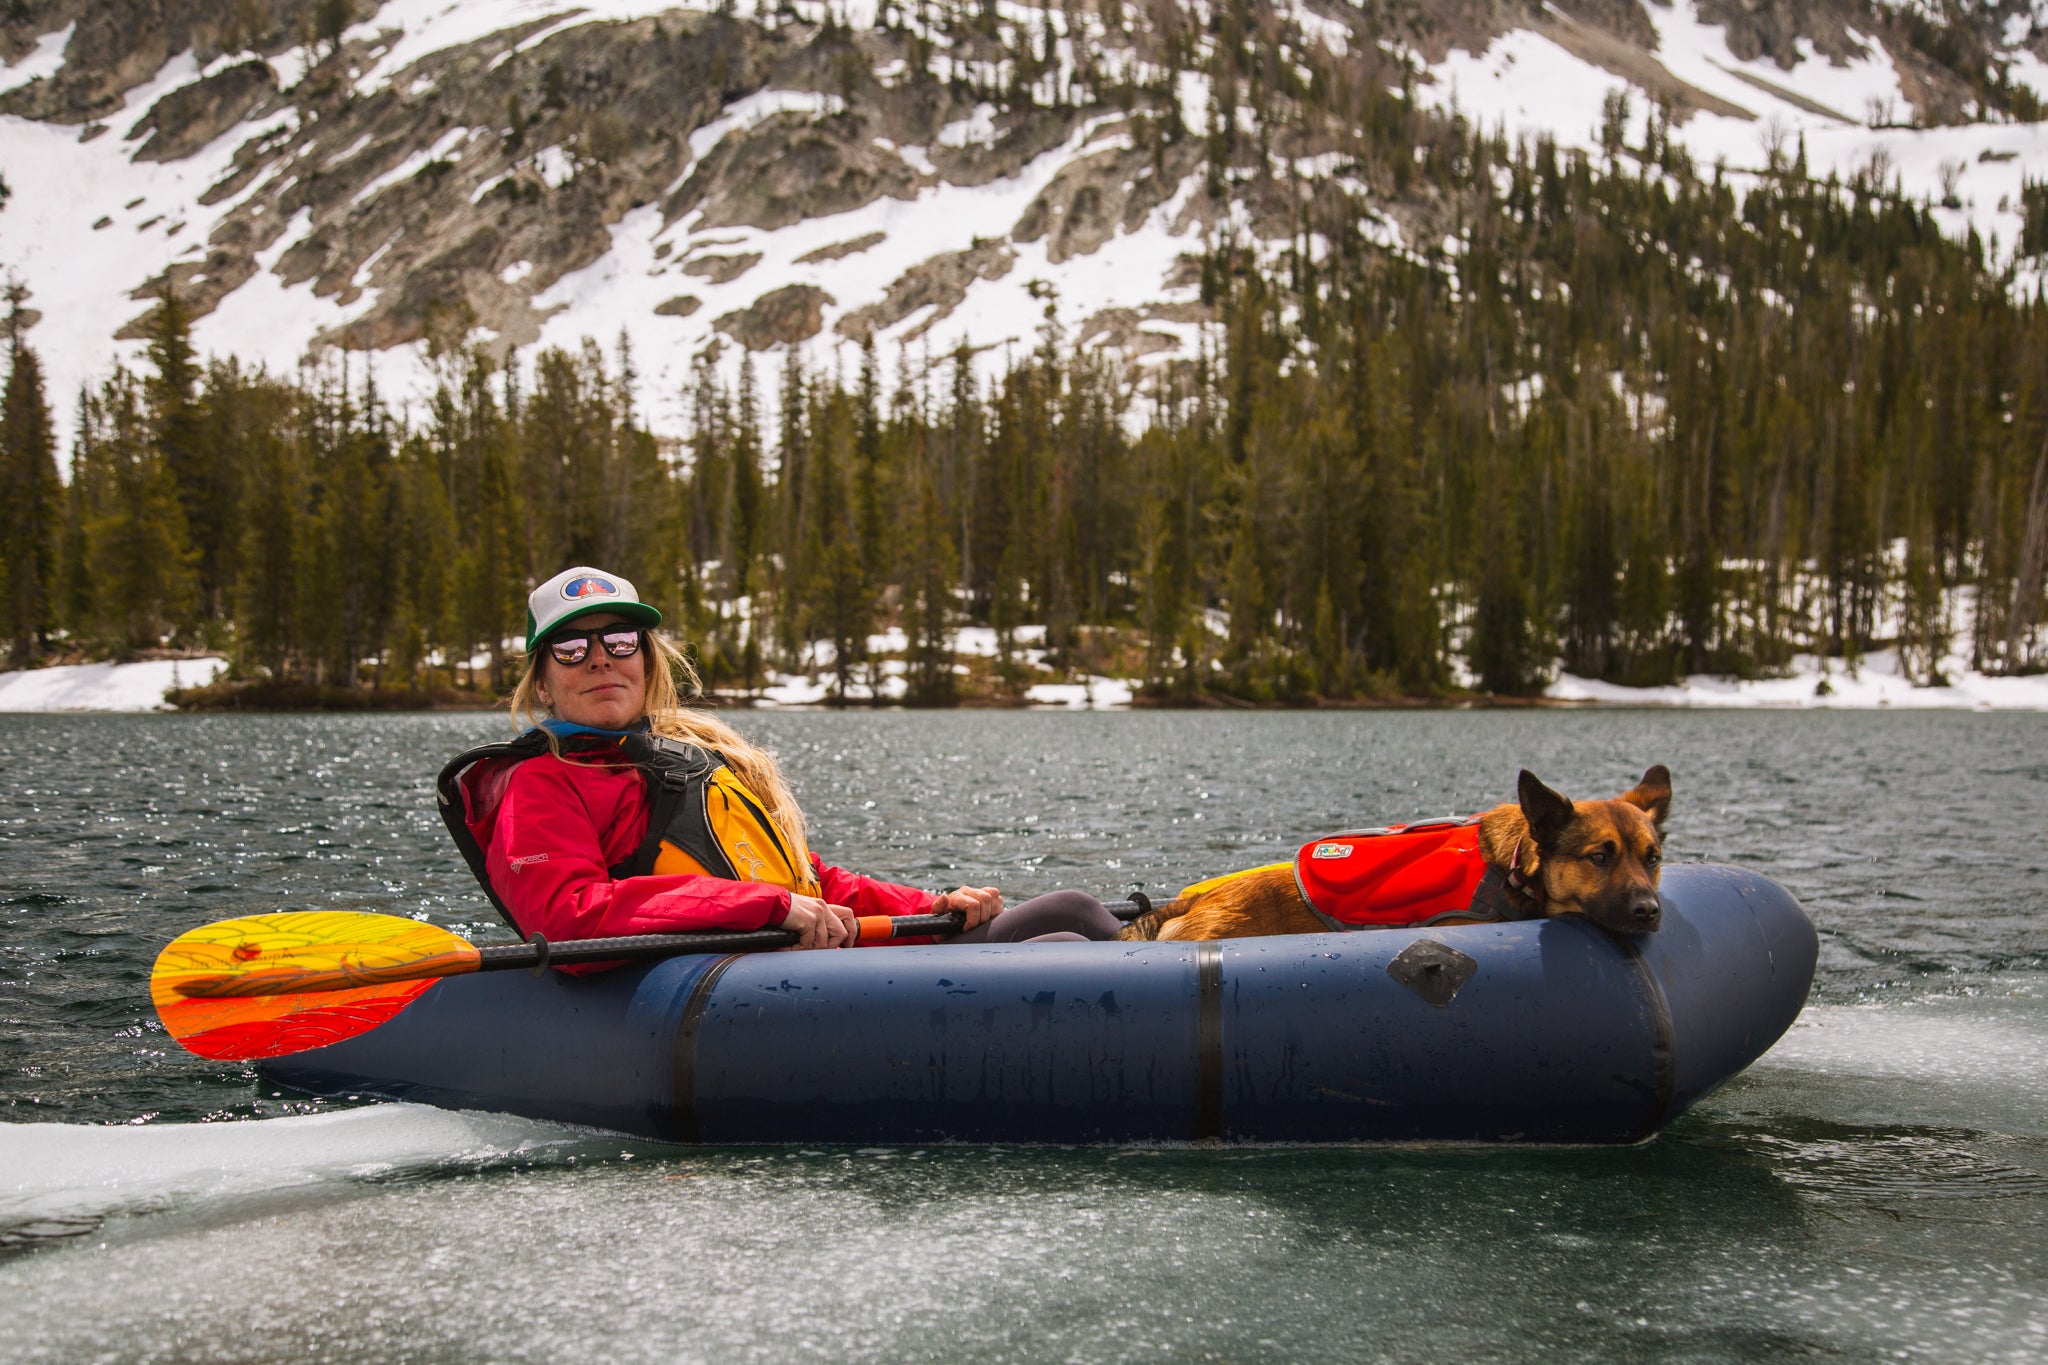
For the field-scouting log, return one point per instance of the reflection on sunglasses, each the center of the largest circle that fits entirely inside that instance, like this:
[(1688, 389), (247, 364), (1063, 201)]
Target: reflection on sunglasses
[(573, 647)]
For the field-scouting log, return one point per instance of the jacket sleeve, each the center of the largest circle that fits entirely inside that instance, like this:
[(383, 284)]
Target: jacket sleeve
[(546, 862), (866, 896)]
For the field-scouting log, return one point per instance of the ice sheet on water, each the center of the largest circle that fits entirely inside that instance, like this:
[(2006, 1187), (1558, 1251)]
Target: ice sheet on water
[(1938, 1038), (1976, 1058), (64, 1178)]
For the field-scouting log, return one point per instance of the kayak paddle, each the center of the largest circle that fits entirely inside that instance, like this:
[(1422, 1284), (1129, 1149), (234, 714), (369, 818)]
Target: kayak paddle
[(268, 985)]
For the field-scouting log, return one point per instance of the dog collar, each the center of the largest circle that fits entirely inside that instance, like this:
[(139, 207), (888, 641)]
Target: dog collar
[(1516, 882)]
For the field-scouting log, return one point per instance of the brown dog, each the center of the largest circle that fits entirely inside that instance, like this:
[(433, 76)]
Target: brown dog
[(1599, 859)]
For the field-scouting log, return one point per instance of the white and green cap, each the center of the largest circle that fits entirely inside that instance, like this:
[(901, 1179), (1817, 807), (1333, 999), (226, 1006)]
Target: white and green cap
[(579, 591)]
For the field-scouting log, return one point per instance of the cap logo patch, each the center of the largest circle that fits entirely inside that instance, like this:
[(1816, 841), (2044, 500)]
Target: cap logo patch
[(577, 589)]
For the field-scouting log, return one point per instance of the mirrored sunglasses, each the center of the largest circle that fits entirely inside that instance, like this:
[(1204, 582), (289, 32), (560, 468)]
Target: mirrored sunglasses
[(573, 646)]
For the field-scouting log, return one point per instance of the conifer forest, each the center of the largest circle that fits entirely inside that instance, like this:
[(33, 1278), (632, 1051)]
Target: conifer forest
[(1648, 418)]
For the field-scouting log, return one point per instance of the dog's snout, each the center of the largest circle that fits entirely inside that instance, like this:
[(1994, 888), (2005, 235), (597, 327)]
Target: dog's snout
[(1628, 912)]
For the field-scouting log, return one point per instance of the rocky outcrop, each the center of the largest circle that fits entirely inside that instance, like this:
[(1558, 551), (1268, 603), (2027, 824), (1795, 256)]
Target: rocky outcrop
[(1123, 329), (840, 250), (1774, 29), (781, 317), (1097, 194), (722, 269), (368, 208), (789, 168), (940, 284), (117, 45), (193, 115)]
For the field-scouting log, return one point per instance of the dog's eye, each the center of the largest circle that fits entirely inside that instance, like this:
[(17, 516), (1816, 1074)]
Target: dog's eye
[(1652, 858), (1598, 857)]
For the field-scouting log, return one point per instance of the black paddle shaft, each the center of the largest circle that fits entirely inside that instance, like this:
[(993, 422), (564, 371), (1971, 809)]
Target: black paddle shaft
[(537, 954)]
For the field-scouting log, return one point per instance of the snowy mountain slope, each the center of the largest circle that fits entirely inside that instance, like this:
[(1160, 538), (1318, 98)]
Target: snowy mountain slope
[(1537, 81), (521, 172)]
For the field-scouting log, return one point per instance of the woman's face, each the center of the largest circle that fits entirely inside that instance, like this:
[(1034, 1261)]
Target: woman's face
[(601, 692)]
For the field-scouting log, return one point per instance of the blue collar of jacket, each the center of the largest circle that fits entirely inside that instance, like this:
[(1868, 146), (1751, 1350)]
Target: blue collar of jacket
[(563, 729)]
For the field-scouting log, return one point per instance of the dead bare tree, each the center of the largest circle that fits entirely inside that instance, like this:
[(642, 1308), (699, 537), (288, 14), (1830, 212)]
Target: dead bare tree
[(2026, 583)]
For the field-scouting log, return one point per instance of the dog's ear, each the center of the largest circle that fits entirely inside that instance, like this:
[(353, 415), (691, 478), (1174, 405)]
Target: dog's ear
[(1652, 795), (1547, 812)]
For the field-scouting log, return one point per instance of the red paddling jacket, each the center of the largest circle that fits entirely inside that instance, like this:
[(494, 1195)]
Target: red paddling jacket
[(564, 846)]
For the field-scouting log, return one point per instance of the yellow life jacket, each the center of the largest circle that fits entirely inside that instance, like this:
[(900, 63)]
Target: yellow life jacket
[(702, 819)]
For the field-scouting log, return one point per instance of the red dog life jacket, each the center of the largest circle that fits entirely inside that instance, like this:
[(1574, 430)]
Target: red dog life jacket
[(1402, 875)]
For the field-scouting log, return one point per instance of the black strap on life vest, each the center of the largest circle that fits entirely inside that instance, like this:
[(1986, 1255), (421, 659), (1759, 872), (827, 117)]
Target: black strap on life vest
[(678, 776)]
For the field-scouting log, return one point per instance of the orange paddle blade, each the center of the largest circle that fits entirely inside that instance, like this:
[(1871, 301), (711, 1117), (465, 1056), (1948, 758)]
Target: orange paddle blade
[(274, 984)]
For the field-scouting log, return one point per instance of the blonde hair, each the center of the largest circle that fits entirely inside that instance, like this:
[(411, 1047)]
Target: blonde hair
[(669, 717)]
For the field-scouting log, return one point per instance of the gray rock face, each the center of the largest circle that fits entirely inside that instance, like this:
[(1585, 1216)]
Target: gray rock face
[(781, 317), (940, 284), (191, 116), (116, 45), (722, 269), (791, 168)]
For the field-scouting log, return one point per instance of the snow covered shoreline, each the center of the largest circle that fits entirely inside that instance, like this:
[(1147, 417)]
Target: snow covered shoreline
[(104, 687), (1815, 684), (1875, 683)]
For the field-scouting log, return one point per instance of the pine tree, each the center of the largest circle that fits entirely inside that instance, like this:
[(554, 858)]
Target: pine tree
[(196, 452), (31, 503), (266, 590), (869, 473), (931, 569), (136, 557)]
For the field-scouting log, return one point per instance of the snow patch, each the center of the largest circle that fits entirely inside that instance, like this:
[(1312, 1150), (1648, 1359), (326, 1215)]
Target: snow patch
[(743, 115), (1876, 681), (80, 275), (104, 687), (44, 62), (1097, 694), (977, 129), (554, 167)]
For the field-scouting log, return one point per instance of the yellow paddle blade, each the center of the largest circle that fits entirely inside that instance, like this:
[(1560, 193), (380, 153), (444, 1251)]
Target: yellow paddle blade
[(273, 984)]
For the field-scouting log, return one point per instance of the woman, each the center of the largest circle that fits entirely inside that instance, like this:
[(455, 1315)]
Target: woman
[(625, 812)]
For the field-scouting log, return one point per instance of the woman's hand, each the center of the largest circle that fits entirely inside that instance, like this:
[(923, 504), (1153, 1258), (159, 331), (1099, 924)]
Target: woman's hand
[(817, 923), (980, 904)]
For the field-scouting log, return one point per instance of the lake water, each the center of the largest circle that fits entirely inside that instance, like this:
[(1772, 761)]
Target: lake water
[(1875, 1188)]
